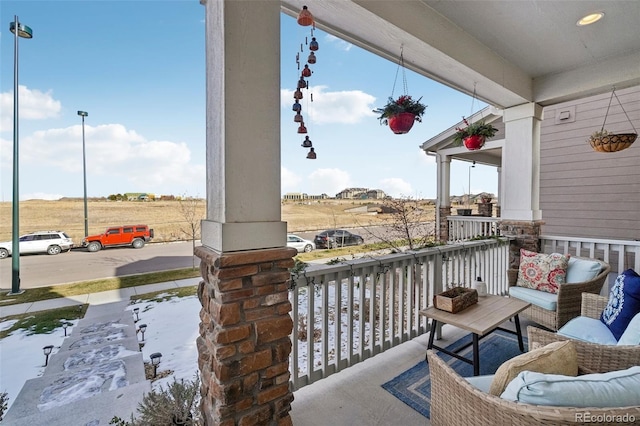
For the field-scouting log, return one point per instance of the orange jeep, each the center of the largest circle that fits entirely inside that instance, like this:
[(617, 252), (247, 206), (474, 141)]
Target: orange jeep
[(135, 236)]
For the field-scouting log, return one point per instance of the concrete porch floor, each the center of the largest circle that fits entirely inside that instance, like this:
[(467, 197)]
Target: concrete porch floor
[(355, 397)]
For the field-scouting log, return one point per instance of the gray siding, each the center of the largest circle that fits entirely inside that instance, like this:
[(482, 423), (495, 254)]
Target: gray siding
[(583, 192)]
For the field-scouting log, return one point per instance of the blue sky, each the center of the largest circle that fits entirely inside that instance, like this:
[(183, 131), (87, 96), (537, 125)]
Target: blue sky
[(137, 68)]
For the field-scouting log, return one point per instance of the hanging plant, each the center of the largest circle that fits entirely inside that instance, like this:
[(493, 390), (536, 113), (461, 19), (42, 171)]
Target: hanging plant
[(604, 141), (401, 113), (474, 135)]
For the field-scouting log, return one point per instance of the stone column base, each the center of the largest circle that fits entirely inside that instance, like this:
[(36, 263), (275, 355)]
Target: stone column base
[(244, 343), (443, 224), (527, 236)]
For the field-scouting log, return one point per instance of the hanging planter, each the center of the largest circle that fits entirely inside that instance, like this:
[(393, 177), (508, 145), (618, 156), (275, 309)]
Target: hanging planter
[(604, 141), (474, 135), (401, 123), (401, 113)]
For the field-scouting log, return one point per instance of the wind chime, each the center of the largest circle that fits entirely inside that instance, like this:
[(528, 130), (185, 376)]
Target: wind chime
[(305, 19)]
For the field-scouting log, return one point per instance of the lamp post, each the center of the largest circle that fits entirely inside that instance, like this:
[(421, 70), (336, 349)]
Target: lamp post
[(469, 196), (83, 114), (18, 30)]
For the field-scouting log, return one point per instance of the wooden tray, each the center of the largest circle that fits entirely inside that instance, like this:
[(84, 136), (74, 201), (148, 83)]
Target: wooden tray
[(455, 299)]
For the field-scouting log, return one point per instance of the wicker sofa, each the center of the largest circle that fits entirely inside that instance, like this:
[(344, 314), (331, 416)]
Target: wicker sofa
[(569, 298), (455, 401)]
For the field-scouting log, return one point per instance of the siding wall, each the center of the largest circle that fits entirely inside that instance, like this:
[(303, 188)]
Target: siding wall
[(583, 192)]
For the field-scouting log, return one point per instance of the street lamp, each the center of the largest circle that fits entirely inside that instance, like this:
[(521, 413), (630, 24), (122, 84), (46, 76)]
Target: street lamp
[(83, 114), (469, 196), (18, 30)]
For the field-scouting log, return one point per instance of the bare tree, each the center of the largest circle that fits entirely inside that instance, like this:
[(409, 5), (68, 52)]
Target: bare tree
[(191, 209), (406, 225)]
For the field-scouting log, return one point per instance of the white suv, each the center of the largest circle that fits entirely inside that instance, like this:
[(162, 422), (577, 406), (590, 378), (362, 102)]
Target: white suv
[(50, 242)]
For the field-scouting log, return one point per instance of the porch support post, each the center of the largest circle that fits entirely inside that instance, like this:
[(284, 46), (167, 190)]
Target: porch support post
[(443, 208), (244, 342), (520, 195)]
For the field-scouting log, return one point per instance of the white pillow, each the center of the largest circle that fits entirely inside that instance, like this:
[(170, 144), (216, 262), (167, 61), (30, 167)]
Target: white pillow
[(581, 270), (613, 389)]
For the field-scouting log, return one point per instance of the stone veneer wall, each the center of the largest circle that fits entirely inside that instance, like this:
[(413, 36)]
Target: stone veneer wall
[(485, 209), (443, 231), (244, 343), (527, 236)]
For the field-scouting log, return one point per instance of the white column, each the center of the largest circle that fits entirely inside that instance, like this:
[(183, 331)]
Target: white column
[(443, 169), (520, 197), (499, 194), (243, 126)]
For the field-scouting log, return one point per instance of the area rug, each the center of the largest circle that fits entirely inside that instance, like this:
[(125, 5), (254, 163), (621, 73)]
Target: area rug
[(413, 387)]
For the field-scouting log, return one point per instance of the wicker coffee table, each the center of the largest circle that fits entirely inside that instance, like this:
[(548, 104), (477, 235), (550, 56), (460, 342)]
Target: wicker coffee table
[(481, 320)]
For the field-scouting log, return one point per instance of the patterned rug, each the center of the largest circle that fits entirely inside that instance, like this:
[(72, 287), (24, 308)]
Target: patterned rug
[(413, 387)]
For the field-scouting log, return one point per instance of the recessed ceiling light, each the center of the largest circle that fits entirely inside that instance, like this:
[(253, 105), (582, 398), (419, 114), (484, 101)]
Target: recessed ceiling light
[(590, 19)]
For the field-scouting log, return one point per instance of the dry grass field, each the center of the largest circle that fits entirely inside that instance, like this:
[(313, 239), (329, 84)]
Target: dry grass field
[(168, 222)]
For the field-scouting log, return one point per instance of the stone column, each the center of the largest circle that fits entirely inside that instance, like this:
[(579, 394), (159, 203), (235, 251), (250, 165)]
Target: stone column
[(443, 223), (485, 209), (526, 234), (244, 343)]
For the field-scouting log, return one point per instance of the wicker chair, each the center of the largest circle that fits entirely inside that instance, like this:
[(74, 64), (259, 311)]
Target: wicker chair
[(569, 299), (454, 401)]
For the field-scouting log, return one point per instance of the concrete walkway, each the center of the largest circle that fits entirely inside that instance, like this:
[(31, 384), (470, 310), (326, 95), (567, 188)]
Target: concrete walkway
[(98, 372)]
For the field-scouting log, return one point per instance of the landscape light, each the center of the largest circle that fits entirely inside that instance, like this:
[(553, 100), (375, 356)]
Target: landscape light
[(142, 329), (47, 351), (155, 361), (137, 311), (19, 30), (65, 325)]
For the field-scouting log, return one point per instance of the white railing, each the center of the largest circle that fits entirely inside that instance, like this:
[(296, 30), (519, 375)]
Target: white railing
[(620, 254), (333, 330), (462, 228)]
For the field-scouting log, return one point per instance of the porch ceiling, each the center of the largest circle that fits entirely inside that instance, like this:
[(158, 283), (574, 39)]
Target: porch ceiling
[(513, 51)]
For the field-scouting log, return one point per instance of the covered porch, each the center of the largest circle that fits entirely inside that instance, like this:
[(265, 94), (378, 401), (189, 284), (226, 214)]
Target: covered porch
[(245, 344)]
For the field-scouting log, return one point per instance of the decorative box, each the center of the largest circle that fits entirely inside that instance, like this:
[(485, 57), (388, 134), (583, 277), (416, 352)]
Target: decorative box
[(455, 299)]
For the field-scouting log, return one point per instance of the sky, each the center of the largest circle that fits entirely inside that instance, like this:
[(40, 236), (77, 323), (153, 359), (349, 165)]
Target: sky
[(138, 69)]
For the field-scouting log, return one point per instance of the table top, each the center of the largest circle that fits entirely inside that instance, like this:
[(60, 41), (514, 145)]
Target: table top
[(482, 317)]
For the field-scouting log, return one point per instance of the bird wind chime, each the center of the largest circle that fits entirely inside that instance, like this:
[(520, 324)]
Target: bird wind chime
[(305, 19)]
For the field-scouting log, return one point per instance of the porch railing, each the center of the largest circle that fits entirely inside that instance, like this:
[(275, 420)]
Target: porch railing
[(462, 228), (620, 254), (353, 310)]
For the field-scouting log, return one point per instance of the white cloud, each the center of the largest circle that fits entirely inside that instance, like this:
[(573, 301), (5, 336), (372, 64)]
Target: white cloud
[(115, 152), (41, 196), (343, 45), (290, 182), (329, 181), (396, 187), (33, 105), (344, 107)]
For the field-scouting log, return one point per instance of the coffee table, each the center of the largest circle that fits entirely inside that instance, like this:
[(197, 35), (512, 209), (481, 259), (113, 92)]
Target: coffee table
[(481, 320)]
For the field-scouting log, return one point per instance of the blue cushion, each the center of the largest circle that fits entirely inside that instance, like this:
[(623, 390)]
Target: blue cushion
[(624, 303), (613, 389), (631, 335), (545, 300), (481, 382), (581, 270), (589, 330)]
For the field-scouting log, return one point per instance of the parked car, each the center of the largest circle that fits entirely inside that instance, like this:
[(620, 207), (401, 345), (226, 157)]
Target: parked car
[(50, 242), (333, 238), (300, 243), (135, 236)]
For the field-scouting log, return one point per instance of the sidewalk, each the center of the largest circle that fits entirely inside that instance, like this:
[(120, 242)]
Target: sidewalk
[(100, 298)]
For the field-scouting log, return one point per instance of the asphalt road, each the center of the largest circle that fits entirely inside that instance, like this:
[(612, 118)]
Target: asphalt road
[(38, 270)]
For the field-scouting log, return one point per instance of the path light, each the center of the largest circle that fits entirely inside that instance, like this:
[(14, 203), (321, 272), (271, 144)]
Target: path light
[(155, 361), (137, 311), (142, 329), (65, 325), (47, 351)]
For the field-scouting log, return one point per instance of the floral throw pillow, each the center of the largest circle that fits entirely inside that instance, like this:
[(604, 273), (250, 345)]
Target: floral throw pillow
[(624, 303), (543, 272)]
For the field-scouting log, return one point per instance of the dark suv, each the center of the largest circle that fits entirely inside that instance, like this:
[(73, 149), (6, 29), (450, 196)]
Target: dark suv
[(333, 238)]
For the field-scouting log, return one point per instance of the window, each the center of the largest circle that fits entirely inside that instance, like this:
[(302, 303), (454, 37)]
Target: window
[(127, 230), (141, 229), (113, 231)]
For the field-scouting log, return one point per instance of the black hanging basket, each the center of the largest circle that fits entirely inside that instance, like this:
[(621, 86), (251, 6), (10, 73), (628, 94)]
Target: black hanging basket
[(604, 141)]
